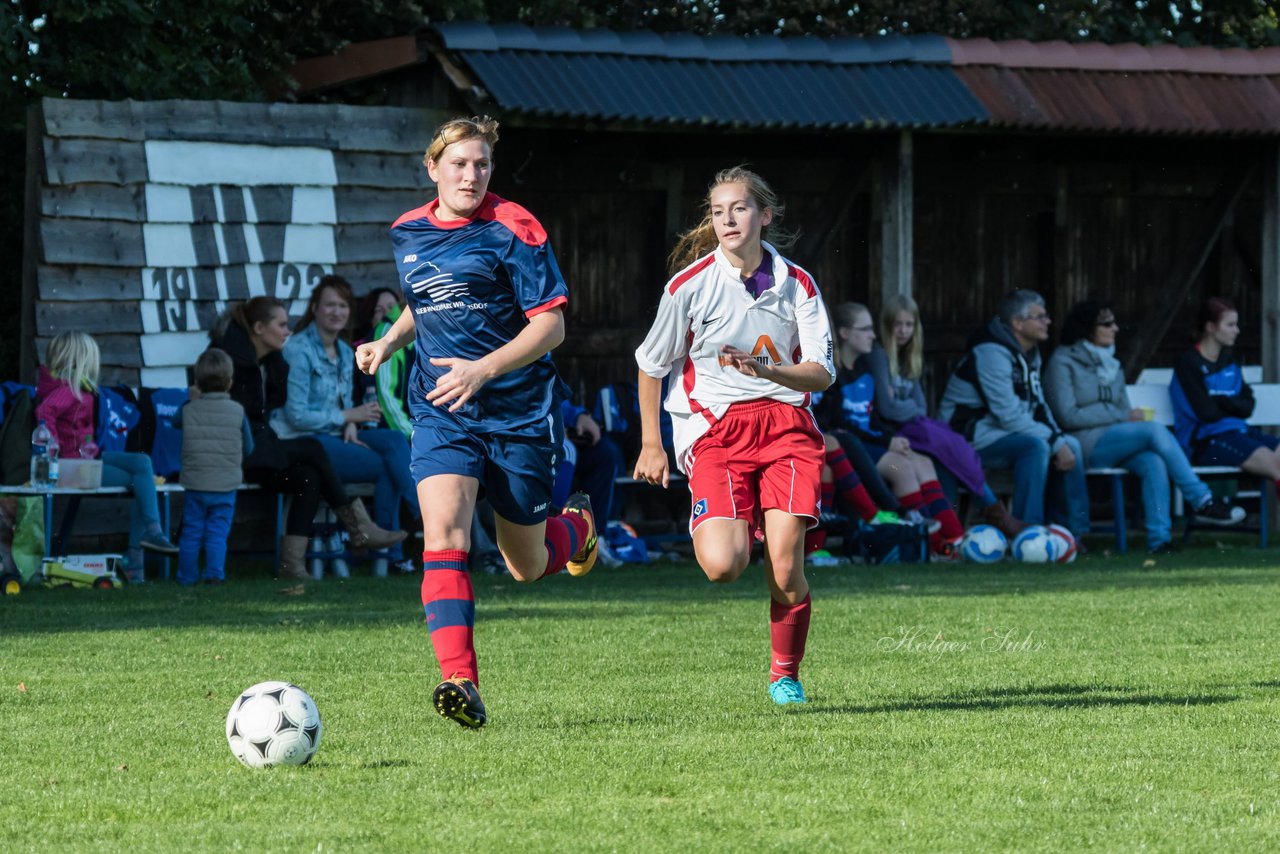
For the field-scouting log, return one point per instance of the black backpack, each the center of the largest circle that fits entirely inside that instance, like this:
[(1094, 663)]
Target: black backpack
[(891, 543), (15, 438)]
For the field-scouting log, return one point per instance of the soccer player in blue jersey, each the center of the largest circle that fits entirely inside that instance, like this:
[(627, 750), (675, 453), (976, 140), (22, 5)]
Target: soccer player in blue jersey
[(485, 309)]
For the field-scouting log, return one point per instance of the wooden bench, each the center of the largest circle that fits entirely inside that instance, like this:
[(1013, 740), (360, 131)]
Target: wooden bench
[(1148, 395)]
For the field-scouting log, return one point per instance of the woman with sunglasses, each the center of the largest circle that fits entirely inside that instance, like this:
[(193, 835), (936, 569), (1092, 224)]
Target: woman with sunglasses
[(1085, 388)]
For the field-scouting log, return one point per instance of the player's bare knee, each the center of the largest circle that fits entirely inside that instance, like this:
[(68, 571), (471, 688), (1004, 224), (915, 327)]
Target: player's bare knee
[(724, 567)]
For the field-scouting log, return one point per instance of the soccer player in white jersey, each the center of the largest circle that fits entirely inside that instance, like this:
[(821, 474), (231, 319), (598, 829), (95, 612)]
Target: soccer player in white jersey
[(747, 332), (485, 308)]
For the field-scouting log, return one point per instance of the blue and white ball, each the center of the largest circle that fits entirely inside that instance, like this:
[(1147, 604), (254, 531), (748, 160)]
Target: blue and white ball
[(983, 544), (1066, 544), (1035, 545)]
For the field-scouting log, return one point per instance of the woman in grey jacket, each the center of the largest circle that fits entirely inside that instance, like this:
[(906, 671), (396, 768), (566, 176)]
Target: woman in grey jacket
[(1085, 387)]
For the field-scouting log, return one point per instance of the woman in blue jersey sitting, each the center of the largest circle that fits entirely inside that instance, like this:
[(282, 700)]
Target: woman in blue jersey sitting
[(1212, 402), (319, 404), (485, 309)]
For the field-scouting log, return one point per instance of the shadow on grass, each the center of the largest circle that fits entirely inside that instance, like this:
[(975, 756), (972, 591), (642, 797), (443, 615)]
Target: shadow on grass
[(1034, 696)]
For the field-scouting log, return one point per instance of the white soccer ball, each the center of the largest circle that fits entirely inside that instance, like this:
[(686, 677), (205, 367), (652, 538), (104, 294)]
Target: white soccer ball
[(1035, 545), (274, 723), (983, 544), (1066, 544)]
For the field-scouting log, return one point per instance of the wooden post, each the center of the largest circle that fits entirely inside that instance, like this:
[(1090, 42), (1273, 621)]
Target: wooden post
[(1271, 264), (897, 219), (27, 363)]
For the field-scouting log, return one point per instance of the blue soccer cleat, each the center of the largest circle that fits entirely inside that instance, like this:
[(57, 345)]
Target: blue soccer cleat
[(786, 691)]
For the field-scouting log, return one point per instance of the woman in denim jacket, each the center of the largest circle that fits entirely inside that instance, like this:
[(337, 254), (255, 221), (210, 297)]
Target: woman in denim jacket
[(319, 404)]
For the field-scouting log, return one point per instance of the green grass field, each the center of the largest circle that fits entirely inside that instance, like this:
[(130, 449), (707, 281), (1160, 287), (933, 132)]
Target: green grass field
[(1109, 705)]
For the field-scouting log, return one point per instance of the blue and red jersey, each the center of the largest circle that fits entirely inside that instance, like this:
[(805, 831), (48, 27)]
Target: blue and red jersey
[(472, 285)]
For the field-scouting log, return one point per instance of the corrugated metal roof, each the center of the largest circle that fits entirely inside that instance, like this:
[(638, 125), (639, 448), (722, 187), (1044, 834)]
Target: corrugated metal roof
[(875, 83), (731, 81)]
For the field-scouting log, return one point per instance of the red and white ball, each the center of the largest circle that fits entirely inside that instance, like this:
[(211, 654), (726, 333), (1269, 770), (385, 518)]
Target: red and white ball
[(1066, 552)]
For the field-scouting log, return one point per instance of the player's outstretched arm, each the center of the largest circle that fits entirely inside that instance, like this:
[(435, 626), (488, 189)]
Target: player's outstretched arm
[(806, 376), (652, 466), (371, 354)]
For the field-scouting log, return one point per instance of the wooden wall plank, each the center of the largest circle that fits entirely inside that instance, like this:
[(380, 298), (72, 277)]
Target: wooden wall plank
[(95, 201), (232, 282), (353, 128), (91, 317), (396, 171), (87, 241), (220, 204), (119, 350), (82, 161)]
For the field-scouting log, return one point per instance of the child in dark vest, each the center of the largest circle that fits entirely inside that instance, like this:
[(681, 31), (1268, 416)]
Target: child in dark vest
[(215, 441)]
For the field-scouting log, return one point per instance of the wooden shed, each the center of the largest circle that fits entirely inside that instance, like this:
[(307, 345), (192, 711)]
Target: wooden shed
[(953, 170)]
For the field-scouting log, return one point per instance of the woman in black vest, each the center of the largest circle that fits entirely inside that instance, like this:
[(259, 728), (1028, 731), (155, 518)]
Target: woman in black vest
[(253, 334)]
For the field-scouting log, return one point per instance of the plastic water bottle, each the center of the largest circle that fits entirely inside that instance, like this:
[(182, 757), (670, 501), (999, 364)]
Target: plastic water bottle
[(317, 561), (40, 439), (88, 448), (53, 452), (371, 396)]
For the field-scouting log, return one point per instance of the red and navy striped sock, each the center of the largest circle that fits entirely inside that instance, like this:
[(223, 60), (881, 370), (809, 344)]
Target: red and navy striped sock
[(828, 495), (788, 631), (849, 486), (450, 605), (913, 501), (565, 535), (938, 507)]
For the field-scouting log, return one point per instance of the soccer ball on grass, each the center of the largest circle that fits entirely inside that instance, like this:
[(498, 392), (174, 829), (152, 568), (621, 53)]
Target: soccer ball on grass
[(274, 723), (1066, 544), (983, 544), (1035, 545)]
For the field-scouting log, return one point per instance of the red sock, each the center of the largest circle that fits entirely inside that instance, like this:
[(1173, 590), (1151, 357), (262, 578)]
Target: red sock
[(788, 630), (450, 606), (814, 540), (565, 536), (914, 501), (938, 507), (849, 487), (828, 495)]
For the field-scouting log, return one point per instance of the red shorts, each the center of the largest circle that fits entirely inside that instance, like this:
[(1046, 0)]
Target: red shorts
[(763, 455)]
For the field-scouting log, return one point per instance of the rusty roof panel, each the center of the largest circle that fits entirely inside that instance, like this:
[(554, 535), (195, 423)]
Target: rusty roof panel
[(1141, 102)]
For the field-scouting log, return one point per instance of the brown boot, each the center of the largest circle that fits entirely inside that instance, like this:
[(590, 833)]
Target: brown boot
[(364, 533), (1001, 518), (293, 557)]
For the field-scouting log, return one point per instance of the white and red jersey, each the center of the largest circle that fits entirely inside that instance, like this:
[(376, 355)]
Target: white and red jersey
[(706, 306)]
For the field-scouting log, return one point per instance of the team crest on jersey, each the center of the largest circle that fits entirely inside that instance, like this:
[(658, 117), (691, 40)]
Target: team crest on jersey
[(764, 352), (700, 508), (438, 285)]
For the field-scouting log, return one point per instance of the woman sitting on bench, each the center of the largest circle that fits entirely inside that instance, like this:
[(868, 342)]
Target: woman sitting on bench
[(319, 405), (1085, 387), (1212, 402), (66, 392), (253, 333)]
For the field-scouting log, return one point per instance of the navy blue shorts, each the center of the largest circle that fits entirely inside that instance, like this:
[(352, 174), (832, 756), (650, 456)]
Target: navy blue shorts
[(1232, 449), (516, 475)]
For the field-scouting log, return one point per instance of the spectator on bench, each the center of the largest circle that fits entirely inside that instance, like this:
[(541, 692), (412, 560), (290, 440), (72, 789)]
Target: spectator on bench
[(1085, 386), (1212, 402), (253, 333), (65, 398), (215, 441), (850, 405), (897, 368), (319, 405), (994, 400)]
